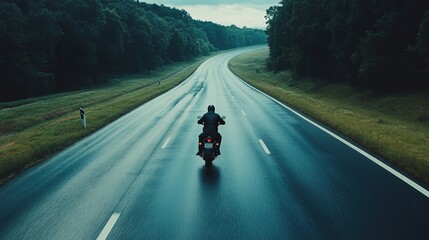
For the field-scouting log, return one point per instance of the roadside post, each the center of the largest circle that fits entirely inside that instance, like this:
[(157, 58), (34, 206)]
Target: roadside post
[(83, 117)]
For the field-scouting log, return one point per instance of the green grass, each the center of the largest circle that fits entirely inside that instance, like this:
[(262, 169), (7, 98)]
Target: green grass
[(33, 129), (395, 127)]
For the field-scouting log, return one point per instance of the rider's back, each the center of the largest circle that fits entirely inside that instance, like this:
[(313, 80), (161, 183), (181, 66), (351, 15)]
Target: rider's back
[(211, 120)]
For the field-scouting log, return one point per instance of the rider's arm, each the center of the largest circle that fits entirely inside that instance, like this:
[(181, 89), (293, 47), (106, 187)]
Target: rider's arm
[(220, 120), (202, 120)]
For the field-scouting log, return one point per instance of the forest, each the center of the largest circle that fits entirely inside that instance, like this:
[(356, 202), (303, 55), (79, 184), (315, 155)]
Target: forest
[(381, 45), (50, 46)]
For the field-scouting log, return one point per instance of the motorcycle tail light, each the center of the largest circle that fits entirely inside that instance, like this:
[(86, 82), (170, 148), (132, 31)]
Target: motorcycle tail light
[(209, 140)]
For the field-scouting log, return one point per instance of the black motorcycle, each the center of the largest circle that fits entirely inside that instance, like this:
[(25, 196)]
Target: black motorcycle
[(210, 149)]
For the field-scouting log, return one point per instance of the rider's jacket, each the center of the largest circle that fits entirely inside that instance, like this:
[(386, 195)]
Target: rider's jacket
[(211, 120)]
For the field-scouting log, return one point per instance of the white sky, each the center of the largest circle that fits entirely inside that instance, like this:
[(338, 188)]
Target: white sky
[(242, 13)]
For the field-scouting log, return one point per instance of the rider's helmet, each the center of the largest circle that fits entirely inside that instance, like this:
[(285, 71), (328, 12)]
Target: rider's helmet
[(211, 108)]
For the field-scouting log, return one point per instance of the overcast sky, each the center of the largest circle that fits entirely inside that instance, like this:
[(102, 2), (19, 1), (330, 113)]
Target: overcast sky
[(249, 13)]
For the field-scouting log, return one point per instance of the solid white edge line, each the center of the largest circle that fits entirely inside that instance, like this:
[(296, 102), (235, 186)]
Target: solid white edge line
[(267, 151), (408, 181), (166, 142), (109, 225)]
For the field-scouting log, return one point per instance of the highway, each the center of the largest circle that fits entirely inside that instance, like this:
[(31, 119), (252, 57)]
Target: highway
[(279, 177)]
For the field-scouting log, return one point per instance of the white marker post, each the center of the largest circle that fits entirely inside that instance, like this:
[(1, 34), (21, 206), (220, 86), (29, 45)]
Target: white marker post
[(83, 117)]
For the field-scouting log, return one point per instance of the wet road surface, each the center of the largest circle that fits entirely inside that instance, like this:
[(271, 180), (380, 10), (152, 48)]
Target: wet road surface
[(279, 177)]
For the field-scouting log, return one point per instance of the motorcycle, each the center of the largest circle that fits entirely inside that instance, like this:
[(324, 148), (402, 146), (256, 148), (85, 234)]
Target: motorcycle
[(210, 148)]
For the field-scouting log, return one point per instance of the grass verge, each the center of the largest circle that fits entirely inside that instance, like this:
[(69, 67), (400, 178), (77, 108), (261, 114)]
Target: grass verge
[(395, 127), (33, 129)]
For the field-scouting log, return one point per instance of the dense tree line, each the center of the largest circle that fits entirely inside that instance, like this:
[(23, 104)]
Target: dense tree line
[(50, 46), (380, 44)]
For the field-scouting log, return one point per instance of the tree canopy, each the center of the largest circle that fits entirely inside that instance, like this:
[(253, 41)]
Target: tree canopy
[(49, 46), (382, 45)]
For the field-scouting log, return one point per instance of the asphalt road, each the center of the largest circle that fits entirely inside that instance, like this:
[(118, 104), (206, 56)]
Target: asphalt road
[(279, 177)]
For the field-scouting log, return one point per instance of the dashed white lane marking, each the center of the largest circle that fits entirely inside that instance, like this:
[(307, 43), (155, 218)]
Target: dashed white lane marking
[(243, 112), (267, 151), (109, 225), (166, 142), (408, 181)]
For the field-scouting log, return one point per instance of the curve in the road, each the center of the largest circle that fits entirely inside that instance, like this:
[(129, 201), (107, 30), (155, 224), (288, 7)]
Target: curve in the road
[(280, 176)]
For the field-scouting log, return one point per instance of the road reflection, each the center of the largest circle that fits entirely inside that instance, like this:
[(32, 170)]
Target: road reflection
[(210, 176)]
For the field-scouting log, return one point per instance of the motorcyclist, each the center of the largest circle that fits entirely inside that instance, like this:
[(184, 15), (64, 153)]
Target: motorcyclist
[(211, 121)]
